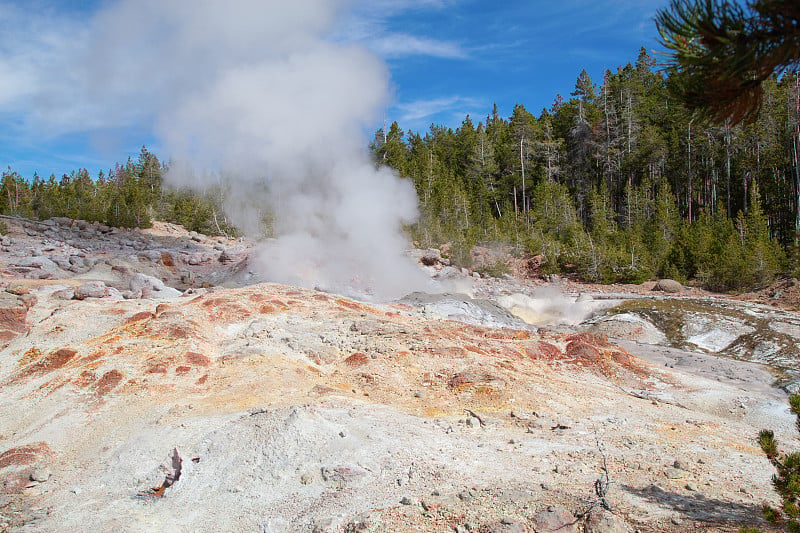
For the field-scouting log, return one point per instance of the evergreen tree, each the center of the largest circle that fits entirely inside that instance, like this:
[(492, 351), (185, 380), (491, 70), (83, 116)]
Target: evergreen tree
[(763, 256), (15, 197), (786, 479), (388, 147)]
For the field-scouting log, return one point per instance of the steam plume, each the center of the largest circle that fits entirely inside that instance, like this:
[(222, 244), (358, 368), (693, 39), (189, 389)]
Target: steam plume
[(257, 92)]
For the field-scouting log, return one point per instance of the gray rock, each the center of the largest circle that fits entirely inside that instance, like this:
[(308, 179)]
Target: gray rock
[(152, 256), (91, 289), (64, 294), (62, 262), (150, 287), (554, 519), (669, 286), (40, 474), (36, 261), (449, 273), (605, 522), (460, 307), (38, 274), (674, 473)]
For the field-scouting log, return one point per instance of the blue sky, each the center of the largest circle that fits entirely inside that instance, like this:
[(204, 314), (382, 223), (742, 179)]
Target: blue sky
[(446, 59)]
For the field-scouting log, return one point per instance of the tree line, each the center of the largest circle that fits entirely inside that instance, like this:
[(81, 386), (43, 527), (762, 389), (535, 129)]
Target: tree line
[(130, 195), (618, 182)]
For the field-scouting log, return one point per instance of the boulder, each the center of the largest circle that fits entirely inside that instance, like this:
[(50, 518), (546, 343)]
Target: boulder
[(64, 294), (91, 289), (140, 281), (63, 221), (37, 262), (148, 256), (669, 286), (150, 287)]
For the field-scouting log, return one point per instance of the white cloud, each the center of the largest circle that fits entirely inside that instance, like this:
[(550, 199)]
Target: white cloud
[(397, 45), (422, 109), (28, 45), (370, 21), (385, 8)]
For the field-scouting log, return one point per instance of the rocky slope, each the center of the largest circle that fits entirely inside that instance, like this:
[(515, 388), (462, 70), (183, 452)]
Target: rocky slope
[(126, 407)]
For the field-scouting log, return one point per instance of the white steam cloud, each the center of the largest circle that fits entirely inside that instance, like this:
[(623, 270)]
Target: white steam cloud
[(257, 92), (548, 306)]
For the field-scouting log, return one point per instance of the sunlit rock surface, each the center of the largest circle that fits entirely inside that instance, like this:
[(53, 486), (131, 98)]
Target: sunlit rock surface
[(274, 408)]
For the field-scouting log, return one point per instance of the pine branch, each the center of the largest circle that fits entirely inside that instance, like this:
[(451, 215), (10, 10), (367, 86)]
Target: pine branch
[(721, 54)]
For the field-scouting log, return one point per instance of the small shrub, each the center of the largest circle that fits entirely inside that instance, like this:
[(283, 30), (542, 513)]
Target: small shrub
[(636, 276), (495, 269)]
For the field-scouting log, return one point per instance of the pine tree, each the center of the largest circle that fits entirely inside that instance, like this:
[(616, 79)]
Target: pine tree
[(388, 147), (15, 198), (763, 255), (786, 479)]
